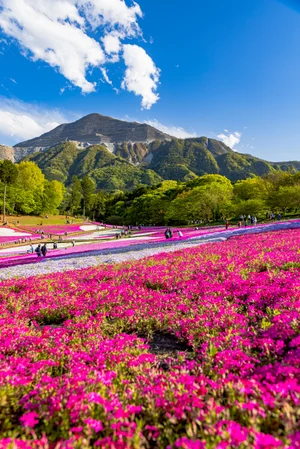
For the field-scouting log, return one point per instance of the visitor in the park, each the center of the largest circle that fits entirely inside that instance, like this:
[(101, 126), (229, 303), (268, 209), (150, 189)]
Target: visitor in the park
[(180, 234), (226, 224), (168, 233), (245, 221), (31, 250), (73, 243), (44, 250), (38, 250)]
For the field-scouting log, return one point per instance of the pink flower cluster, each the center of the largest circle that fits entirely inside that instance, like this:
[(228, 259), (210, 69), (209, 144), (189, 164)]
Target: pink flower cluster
[(54, 229), (79, 367)]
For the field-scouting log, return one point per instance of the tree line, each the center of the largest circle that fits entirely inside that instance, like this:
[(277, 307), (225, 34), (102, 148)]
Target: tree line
[(207, 198), (25, 190)]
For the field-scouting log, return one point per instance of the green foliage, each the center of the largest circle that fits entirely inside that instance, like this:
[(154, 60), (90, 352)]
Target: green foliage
[(8, 172), (8, 175), (30, 193), (75, 195), (88, 187), (57, 162), (109, 171), (53, 196), (123, 176)]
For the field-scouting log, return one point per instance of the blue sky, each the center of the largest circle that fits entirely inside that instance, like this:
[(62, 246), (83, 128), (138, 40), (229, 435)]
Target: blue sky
[(226, 68)]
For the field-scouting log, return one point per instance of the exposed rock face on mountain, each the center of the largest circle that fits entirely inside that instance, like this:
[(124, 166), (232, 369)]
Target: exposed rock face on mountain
[(7, 153), (93, 129)]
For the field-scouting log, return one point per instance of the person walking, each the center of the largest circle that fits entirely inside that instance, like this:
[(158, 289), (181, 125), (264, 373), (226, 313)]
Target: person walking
[(38, 251), (44, 250), (226, 224)]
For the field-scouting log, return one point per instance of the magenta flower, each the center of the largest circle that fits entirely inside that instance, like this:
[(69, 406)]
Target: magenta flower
[(29, 419)]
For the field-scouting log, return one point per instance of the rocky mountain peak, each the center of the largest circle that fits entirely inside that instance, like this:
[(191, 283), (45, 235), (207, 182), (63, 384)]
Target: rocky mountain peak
[(7, 153), (93, 129)]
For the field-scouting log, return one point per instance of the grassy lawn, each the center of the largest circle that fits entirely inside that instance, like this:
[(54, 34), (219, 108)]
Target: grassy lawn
[(29, 220)]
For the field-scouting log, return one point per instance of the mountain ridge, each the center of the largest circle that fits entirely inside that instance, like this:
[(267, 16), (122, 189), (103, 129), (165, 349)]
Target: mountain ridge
[(92, 129)]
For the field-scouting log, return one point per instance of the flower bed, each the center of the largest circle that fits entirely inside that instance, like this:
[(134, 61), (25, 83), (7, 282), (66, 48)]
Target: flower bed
[(221, 370), (61, 229)]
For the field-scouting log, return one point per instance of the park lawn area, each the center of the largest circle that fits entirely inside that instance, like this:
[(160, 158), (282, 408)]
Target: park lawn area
[(31, 220)]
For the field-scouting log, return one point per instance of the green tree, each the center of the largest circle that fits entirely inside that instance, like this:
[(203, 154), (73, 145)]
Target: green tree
[(8, 175), (32, 182), (75, 195), (31, 177), (88, 187), (98, 205), (286, 197), (251, 189), (249, 207), (53, 196), (212, 200)]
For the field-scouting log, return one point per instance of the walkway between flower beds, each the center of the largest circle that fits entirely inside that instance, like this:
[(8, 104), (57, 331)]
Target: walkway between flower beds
[(132, 252)]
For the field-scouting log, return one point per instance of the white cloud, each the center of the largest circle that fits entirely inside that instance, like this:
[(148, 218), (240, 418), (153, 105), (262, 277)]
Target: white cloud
[(112, 43), (112, 13), (65, 34), (175, 131), (141, 76), (230, 139), (21, 121)]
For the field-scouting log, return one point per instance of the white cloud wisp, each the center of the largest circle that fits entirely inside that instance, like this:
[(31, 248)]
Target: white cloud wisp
[(175, 131), (230, 139), (21, 121), (65, 34)]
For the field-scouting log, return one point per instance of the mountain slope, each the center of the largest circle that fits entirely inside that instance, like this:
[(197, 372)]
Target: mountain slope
[(178, 159), (109, 171), (92, 129)]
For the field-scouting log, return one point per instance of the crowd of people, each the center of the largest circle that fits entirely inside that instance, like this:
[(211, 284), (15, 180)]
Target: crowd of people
[(247, 220), (41, 250)]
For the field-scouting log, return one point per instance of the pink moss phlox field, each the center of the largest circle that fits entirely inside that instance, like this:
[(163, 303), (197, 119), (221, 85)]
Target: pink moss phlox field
[(55, 229), (78, 369)]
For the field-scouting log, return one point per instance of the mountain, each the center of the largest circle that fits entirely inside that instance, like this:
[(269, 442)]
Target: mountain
[(121, 155), (93, 129), (140, 163)]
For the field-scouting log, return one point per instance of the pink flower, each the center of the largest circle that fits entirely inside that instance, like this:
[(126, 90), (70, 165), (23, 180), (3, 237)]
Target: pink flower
[(94, 424), (29, 419), (185, 443)]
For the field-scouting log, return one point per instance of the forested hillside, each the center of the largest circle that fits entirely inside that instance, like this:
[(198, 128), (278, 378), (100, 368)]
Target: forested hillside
[(110, 172), (132, 164)]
